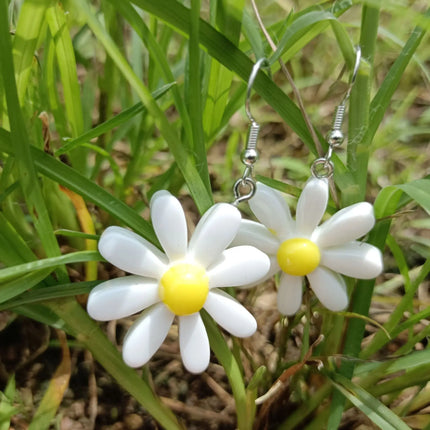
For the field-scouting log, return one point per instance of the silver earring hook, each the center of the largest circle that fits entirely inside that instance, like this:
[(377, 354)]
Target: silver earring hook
[(354, 73), (254, 72), (323, 167), (245, 187)]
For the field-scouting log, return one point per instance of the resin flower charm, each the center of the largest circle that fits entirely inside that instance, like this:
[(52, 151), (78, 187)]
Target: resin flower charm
[(181, 281), (302, 248)]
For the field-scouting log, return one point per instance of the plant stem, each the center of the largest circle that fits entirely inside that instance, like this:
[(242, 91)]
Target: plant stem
[(358, 154)]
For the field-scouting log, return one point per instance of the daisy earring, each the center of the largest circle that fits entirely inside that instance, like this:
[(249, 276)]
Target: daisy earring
[(177, 281), (302, 248)]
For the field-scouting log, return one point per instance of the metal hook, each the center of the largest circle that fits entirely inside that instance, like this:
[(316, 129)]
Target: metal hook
[(323, 167), (254, 72), (245, 187), (354, 73)]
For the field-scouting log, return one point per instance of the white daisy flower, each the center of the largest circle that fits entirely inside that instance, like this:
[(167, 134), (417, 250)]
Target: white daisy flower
[(181, 281), (300, 247)]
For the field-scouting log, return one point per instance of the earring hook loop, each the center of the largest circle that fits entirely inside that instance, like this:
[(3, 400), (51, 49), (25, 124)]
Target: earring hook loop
[(254, 72)]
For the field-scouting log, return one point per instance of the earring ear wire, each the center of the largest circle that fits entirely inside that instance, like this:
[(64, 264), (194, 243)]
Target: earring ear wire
[(245, 187), (323, 167)]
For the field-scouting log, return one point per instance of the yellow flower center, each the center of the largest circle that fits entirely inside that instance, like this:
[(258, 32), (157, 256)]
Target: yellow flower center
[(298, 256), (183, 288)]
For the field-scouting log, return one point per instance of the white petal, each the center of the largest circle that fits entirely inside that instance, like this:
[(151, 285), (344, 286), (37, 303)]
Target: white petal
[(193, 343), (311, 206), (121, 297), (131, 252), (348, 224), (256, 234), (238, 266), (146, 335), (214, 233), (271, 209), (355, 259), (289, 294), (169, 223), (230, 314), (330, 288), (274, 268)]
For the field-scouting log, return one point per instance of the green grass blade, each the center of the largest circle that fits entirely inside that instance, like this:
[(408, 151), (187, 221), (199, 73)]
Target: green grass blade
[(194, 94), (47, 263), (358, 161), (306, 25), (369, 405), (64, 52), (408, 362), (29, 180), (73, 233), (383, 97), (27, 34), (220, 48), (117, 120), (252, 34), (158, 55), (392, 325), (13, 245), (49, 293), (418, 190), (15, 287), (7, 408), (185, 161), (70, 178), (66, 61), (229, 21)]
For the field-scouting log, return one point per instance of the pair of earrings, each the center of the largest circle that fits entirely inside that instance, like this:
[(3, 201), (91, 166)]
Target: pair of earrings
[(227, 251)]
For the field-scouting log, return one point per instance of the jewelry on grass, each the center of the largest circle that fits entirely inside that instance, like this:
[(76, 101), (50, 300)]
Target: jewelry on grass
[(302, 248), (184, 279)]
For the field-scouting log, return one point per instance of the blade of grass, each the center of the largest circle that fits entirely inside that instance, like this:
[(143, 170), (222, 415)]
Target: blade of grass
[(7, 410), (117, 120), (369, 405), (220, 48), (306, 25), (418, 190), (158, 55), (358, 120), (66, 61), (87, 226), (73, 233), (408, 362), (27, 33), (194, 94), (228, 16), (385, 205), (29, 181), (15, 248), (185, 161), (50, 293), (357, 161), (46, 263), (392, 325), (71, 179), (15, 287)]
